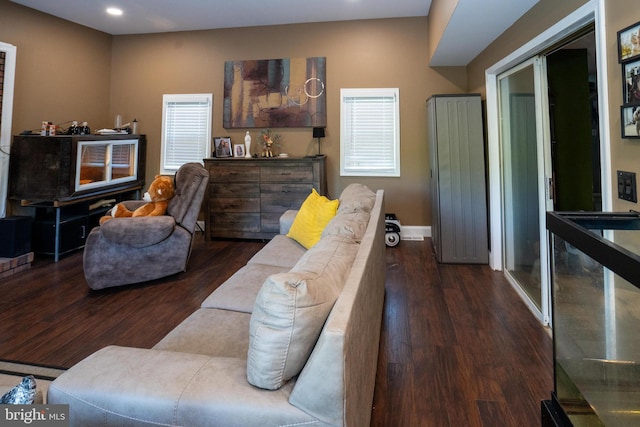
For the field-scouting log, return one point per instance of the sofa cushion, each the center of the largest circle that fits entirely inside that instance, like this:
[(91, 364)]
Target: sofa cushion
[(119, 386), (331, 257), (239, 291), (356, 198), (281, 251), (314, 214), (291, 309), (216, 333), (352, 225)]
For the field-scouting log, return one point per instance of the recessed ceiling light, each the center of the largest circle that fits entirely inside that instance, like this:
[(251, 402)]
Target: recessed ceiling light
[(114, 11)]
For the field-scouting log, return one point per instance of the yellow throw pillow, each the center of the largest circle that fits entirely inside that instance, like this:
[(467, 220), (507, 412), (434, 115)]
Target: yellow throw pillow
[(314, 214)]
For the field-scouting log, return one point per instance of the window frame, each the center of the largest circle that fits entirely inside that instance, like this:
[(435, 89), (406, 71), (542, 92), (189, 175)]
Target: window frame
[(203, 145), (392, 168)]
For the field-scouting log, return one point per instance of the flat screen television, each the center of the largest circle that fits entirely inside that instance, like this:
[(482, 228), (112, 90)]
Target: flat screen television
[(63, 168)]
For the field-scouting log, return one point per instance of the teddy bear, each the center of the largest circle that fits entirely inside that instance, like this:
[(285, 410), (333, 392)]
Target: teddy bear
[(157, 197)]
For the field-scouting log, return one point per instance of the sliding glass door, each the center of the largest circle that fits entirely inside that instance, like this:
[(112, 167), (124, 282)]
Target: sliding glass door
[(526, 173)]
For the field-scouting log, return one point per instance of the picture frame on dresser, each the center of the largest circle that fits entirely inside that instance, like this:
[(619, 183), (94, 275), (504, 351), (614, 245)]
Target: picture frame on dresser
[(238, 150), (222, 146)]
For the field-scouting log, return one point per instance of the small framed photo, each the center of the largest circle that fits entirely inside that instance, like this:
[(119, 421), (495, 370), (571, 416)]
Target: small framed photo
[(238, 150), (629, 43), (222, 146), (631, 82), (630, 121)]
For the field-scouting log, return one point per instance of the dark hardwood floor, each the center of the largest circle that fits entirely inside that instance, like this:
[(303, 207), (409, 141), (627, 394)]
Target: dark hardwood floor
[(458, 347)]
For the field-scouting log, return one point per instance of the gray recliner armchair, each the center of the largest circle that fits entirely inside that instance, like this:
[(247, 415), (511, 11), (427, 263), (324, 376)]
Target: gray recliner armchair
[(123, 251)]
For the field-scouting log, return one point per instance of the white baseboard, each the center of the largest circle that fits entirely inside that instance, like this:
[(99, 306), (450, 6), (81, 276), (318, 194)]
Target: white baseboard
[(407, 232), (414, 232)]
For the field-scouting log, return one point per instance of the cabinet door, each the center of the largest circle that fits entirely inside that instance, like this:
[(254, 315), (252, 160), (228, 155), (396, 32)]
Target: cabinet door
[(433, 177), (458, 164), (73, 234)]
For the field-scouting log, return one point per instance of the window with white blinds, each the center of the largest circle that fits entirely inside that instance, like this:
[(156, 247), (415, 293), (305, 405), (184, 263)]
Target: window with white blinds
[(369, 132), (186, 130)]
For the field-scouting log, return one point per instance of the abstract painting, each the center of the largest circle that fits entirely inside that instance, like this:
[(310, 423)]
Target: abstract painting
[(275, 93)]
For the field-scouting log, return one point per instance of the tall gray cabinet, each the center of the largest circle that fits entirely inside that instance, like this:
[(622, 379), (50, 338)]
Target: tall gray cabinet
[(458, 191)]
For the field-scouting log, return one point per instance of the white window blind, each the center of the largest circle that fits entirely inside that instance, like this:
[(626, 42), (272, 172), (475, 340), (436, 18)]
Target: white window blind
[(122, 154), (369, 132), (186, 130)]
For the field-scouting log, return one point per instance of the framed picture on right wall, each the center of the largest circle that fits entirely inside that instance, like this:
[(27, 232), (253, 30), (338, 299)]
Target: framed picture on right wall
[(630, 121), (631, 82), (629, 43), (629, 58)]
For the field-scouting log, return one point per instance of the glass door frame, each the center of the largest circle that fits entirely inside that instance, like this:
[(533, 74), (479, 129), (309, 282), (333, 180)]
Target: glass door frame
[(591, 12)]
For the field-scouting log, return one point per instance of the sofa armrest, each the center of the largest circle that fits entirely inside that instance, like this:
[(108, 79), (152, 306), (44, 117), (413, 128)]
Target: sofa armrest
[(138, 232), (286, 220)]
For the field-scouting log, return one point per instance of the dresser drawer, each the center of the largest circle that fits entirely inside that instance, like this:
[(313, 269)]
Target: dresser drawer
[(302, 189), (287, 173), (274, 203), (234, 173), (230, 204), (228, 223), (270, 222), (223, 190)]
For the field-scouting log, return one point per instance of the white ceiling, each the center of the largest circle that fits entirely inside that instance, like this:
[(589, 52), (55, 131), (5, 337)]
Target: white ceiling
[(154, 16), (473, 26)]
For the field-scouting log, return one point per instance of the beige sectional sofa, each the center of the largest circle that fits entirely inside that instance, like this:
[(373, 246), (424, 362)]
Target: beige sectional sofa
[(290, 339)]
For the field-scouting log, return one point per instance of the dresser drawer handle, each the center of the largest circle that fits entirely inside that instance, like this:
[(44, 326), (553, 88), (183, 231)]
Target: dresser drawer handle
[(285, 173)]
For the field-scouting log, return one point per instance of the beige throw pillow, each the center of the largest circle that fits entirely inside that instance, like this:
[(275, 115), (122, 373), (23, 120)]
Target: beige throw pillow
[(291, 309), (289, 313)]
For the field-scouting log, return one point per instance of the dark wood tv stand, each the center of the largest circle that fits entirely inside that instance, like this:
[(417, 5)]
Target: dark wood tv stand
[(62, 226), (60, 177)]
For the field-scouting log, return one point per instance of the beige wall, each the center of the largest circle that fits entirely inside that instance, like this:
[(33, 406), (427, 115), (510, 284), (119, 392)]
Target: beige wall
[(69, 72), (62, 69), (374, 53), (625, 153)]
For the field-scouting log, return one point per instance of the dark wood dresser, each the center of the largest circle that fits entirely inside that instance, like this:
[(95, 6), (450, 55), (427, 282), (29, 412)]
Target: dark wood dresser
[(246, 197)]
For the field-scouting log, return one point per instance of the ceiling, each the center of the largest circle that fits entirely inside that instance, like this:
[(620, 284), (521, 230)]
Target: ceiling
[(465, 36)]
